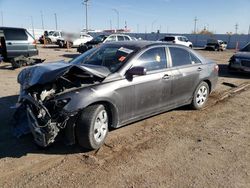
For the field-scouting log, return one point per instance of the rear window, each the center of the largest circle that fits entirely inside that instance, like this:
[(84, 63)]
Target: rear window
[(169, 39), (15, 34)]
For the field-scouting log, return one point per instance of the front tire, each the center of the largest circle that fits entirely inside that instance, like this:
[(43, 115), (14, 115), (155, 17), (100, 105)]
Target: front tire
[(92, 127), (200, 96)]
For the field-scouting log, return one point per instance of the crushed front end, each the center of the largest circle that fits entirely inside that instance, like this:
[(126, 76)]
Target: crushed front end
[(41, 105)]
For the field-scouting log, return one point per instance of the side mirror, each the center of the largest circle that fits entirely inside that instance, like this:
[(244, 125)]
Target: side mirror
[(136, 71)]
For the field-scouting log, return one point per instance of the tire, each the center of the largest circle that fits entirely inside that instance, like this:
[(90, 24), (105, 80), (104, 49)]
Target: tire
[(200, 96), (92, 127), (48, 41), (190, 46)]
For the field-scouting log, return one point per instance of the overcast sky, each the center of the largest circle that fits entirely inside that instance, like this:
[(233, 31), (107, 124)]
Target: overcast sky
[(176, 16)]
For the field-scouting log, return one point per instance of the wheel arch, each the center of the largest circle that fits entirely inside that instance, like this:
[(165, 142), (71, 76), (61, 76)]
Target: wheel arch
[(112, 111)]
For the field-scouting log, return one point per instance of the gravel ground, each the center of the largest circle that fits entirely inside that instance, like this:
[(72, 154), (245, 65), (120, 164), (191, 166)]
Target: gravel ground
[(180, 148)]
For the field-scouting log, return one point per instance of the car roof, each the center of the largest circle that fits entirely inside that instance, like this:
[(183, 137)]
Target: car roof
[(12, 28), (142, 44)]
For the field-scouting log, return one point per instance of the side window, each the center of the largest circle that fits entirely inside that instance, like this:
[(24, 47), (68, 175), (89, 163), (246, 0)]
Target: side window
[(120, 38), (153, 59), (194, 59), (111, 39), (15, 34), (126, 38), (180, 56), (56, 34), (180, 38)]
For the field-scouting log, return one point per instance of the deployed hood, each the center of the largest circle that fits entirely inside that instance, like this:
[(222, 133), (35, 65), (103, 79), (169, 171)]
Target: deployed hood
[(46, 73), (242, 55)]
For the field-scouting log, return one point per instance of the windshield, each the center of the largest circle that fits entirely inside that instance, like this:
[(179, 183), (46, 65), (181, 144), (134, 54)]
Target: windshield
[(246, 48), (99, 38), (111, 57)]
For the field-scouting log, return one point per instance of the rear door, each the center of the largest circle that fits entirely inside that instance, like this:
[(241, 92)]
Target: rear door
[(186, 70), (16, 42)]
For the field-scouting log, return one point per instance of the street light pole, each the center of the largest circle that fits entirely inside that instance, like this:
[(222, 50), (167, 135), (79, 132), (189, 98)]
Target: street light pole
[(2, 17), (42, 20), (85, 2), (56, 20), (195, 25), (118, 17)]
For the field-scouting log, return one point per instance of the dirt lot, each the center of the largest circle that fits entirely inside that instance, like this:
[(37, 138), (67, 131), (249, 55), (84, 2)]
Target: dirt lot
[(180, 148)]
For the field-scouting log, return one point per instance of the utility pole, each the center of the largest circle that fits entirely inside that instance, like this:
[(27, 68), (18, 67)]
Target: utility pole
[(249, 30), (2, 17), (110, 23), (118, 17), (195, 24), (152, 26), (56, 20), (85, 2), (236, 28), (32, 25), (42, 20)]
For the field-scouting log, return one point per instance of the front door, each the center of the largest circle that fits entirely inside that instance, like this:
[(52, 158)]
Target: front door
[(152, 89)]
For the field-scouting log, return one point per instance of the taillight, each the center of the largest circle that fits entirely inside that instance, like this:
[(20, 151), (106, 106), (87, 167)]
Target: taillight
[(216, 68)]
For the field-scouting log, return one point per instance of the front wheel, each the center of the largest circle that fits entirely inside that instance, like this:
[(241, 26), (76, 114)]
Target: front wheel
[(92, 127), (200, 96)]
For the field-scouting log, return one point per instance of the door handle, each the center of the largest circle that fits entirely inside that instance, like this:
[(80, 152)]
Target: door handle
[(9, 43), (199, 69), (166, 77)]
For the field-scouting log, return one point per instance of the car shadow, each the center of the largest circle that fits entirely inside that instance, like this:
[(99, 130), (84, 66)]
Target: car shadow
[(224, 72), (13, 147), (70, 55)]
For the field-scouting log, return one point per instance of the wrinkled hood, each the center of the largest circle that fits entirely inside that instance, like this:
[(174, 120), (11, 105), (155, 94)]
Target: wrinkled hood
[(49, 72), (242, 55)]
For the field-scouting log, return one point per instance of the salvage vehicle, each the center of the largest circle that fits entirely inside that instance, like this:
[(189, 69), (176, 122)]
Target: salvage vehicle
[(110, 86), (46, 36), (103, 39), (241, 60), (82, 40), (216, 45), (16, 42), (178, 40)]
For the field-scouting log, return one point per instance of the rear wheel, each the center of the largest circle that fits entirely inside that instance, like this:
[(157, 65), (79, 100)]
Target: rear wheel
[(92, 127), (200, 96)]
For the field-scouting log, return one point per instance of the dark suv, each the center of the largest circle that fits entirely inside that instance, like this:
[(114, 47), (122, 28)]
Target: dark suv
[(16, 42), (110, 86), (241, 60)]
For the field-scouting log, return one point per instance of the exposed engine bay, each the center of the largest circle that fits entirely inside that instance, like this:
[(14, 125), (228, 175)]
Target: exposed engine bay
[(41, 87)]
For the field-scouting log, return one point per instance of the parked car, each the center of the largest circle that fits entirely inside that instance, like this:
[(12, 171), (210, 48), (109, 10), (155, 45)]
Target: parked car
[(103, 39), (216, 45), (16, 42), (178, 40), (110, 86), (241, 60), (82, 40)]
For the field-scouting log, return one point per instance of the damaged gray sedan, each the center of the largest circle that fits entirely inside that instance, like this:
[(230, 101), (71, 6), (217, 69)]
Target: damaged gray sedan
[(110, 86)]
